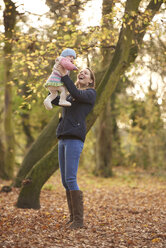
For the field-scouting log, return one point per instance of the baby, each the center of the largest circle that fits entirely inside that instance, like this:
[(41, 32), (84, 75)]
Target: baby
[(54, 83)]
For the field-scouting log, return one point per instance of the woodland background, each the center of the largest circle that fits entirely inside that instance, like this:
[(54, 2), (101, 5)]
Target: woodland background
[(127, 129), (130, 129)]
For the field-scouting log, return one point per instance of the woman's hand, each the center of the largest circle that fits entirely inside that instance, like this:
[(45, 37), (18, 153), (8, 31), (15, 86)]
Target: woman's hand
[(62, 70)]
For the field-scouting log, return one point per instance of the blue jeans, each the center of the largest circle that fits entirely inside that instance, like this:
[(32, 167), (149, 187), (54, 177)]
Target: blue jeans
[(69, 151)]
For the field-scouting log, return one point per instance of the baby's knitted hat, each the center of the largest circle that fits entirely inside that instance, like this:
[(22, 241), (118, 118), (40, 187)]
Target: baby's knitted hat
[(68, 52)]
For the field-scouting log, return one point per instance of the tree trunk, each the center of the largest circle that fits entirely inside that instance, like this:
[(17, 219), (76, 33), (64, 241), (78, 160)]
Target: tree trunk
[(27, 129), (25, 114), (125, 53), (104, 143), (9, 24), (108, 144), (29, 196), (2, 161)]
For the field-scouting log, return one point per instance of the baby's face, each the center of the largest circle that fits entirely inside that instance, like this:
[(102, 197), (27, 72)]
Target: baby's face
[(71, 58)]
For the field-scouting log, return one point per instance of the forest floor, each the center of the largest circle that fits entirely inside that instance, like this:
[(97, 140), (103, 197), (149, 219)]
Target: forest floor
[(128, 210)]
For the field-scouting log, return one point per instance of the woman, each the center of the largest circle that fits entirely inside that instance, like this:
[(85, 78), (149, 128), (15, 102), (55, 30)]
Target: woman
[(71, 133)]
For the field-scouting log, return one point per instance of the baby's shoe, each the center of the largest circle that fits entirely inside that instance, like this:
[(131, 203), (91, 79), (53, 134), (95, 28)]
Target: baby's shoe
[(64, 103), (47, 104)]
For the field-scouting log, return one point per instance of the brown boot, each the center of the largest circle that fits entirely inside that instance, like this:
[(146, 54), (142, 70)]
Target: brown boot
[(68, 196), (77, 205)]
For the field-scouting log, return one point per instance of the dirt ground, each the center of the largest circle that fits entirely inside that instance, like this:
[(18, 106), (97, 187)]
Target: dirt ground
[(124, 211)]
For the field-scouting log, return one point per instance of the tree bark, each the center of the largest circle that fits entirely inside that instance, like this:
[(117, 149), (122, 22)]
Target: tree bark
[(9, 24), (29, 196), (123, 56), (25, 117), (2, 161), (104, 143)]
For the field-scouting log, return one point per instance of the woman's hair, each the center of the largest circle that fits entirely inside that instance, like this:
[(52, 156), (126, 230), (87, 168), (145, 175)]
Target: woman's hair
[(92, 77)]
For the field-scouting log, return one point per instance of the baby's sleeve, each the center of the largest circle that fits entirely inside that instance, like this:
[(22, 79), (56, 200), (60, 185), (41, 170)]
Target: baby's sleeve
[(67, 64)]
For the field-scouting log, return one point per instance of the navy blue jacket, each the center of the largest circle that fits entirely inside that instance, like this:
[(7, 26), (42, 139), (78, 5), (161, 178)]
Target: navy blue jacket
[(72, 124)]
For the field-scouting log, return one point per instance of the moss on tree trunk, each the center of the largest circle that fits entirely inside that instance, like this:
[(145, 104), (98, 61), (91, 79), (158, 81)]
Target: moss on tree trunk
[(29, 196)]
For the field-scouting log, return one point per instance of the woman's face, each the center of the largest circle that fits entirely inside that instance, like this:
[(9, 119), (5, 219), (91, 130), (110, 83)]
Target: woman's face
[(84, 78)]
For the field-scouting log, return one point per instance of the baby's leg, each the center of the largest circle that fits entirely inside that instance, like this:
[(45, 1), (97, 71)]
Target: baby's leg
[(50, 97), (62, 101)]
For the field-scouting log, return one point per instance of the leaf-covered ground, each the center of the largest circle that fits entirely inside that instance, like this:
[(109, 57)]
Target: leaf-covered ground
[(126, 211)]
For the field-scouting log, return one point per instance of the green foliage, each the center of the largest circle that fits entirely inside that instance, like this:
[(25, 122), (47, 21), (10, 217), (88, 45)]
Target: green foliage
[(143, 139)]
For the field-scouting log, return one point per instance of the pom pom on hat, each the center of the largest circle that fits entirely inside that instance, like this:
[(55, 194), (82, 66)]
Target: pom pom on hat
[(68, 52)]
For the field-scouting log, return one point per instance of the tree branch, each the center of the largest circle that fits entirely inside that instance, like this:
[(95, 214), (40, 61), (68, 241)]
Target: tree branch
[(150, 12)]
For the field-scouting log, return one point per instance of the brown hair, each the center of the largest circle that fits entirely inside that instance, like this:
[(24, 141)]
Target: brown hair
[(92, 76)]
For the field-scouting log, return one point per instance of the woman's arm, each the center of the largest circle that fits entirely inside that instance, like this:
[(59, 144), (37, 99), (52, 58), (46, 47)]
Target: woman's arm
[(88, 96), (56, 101)]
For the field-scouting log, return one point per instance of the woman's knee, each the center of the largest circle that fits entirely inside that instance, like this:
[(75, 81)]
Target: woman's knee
[(72, 184)]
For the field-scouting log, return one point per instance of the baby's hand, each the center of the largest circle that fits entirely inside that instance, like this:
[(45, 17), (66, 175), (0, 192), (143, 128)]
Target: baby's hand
[(75, 68)]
